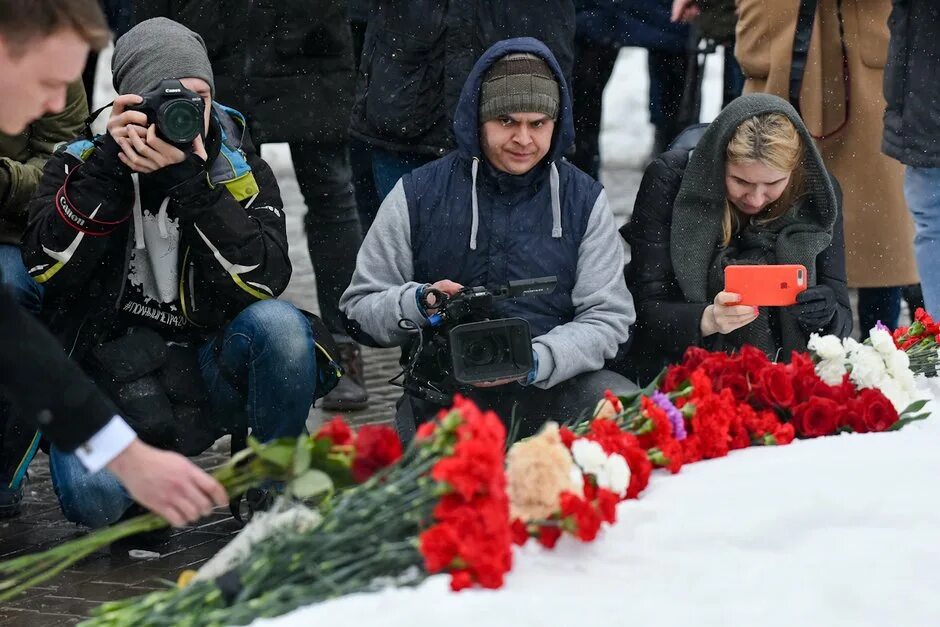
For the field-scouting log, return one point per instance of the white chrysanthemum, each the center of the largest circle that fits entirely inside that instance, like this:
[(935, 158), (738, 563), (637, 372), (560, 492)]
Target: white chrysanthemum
[(882, 342), (827, 347), (589, 455), (831, 371), (616, 475)]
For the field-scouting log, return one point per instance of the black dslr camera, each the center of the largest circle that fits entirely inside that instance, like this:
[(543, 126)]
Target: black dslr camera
[(177, 112), (463, 345)]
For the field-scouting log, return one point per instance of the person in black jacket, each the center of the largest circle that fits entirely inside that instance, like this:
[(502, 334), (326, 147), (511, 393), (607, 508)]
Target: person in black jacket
[(42, 46), (912, 128), (288, 66), (753, 190), (161, 266), (415, 60)]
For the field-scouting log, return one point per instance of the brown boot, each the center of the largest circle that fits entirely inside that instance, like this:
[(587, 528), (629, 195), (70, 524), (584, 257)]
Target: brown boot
[(350, 393)]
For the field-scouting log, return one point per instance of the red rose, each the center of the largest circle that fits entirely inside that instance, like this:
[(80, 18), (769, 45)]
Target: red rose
[(753, 359), (817, 417), (737, 383), (854, 417), (774, 387), (377, 447), (337, 431), (877, 411)]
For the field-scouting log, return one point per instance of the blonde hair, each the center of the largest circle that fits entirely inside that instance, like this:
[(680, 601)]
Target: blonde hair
[(772, 140)]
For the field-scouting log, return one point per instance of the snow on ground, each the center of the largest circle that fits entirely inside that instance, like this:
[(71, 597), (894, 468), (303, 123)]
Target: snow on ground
[(830, 532)]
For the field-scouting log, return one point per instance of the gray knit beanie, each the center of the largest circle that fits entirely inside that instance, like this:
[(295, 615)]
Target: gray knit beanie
[(155, 50), (519, 83)]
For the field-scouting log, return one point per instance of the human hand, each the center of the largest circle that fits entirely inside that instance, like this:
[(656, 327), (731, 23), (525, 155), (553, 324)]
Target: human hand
[(684, 10), (167, 483), (144, 152), (724, 316), (814, 307), (446, 286), (498, 382), (122, 121)]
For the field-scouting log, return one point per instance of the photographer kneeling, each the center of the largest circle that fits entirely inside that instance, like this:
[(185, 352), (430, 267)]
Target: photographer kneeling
[(503, 208), (161, 246)]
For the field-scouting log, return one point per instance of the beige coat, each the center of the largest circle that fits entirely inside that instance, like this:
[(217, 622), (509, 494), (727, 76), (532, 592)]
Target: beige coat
[(878, 229)]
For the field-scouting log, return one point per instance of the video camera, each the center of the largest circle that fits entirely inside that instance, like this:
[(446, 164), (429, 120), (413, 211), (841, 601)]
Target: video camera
[(463, 345), (177, 112)]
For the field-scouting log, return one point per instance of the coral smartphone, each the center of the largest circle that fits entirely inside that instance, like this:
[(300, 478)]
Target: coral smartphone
[(766, 286)]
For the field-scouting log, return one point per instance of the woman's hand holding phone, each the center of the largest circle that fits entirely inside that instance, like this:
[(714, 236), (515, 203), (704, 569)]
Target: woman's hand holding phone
[(724, 316)]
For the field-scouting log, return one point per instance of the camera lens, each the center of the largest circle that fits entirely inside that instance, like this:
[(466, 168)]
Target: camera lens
[(481, 352), (180, 121)]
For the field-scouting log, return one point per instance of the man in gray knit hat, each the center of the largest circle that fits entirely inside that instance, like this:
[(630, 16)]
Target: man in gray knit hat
[(504, 207), (161, 263)]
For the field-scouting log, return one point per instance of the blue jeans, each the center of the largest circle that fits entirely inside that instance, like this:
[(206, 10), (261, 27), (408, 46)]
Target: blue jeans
[(18, 444), (16, 279), (388, 166), (260, 371), (922, 192)]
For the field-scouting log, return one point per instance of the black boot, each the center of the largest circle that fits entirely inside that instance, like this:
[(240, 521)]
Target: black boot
[(350, 393)]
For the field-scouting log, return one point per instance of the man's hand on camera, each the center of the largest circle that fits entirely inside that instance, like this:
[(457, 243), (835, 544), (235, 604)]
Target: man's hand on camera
[(144, 152), (123, 121), (167, 483), (448, 287), (498, 382)]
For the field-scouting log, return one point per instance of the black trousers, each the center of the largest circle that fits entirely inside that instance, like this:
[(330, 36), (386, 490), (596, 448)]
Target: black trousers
[(531, 406), (332, 222)]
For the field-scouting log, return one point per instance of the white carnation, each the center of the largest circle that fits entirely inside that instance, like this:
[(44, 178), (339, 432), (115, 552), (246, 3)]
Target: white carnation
[(868, 368), (882, 342), (828, 347), (831, 371), (616, 476), (898, 396), (589, 455)]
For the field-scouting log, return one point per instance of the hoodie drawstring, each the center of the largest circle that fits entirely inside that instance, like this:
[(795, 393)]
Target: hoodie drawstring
[(162, 219), (138, 215), (475, 220), (556, 202)]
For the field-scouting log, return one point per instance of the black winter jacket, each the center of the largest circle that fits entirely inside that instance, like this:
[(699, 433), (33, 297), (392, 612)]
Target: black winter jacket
[(912, 118), (418, 54), (217, 255), (667, 323), (286, 64), (46, 388)]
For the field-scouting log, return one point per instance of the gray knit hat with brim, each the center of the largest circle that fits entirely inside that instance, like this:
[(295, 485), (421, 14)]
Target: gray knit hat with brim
[(519, 83), (155, 50)]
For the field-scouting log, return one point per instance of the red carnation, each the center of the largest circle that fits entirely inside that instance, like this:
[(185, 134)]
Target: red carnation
[(607, 505), (675, 378), (520, 533), (567, 437), (784, 433), (337, 431), (549, 535), (586, 521), (640, 469), (426, 430), (377, 447)]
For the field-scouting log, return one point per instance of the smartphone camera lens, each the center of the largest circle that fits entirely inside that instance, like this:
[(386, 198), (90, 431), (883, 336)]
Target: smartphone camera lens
[(799, 276)]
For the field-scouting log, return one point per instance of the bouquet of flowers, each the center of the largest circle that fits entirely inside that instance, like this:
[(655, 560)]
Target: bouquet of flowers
[(441, 508), (308, 466), (921, 342)]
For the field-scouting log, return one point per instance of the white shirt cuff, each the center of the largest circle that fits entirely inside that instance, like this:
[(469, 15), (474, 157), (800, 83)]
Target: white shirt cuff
[(105, 445)]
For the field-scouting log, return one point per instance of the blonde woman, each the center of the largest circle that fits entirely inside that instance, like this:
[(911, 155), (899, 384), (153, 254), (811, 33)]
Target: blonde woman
[(752, 190)]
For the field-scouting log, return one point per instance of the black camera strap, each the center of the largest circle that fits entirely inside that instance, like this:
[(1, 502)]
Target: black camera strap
[(91, 119)]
